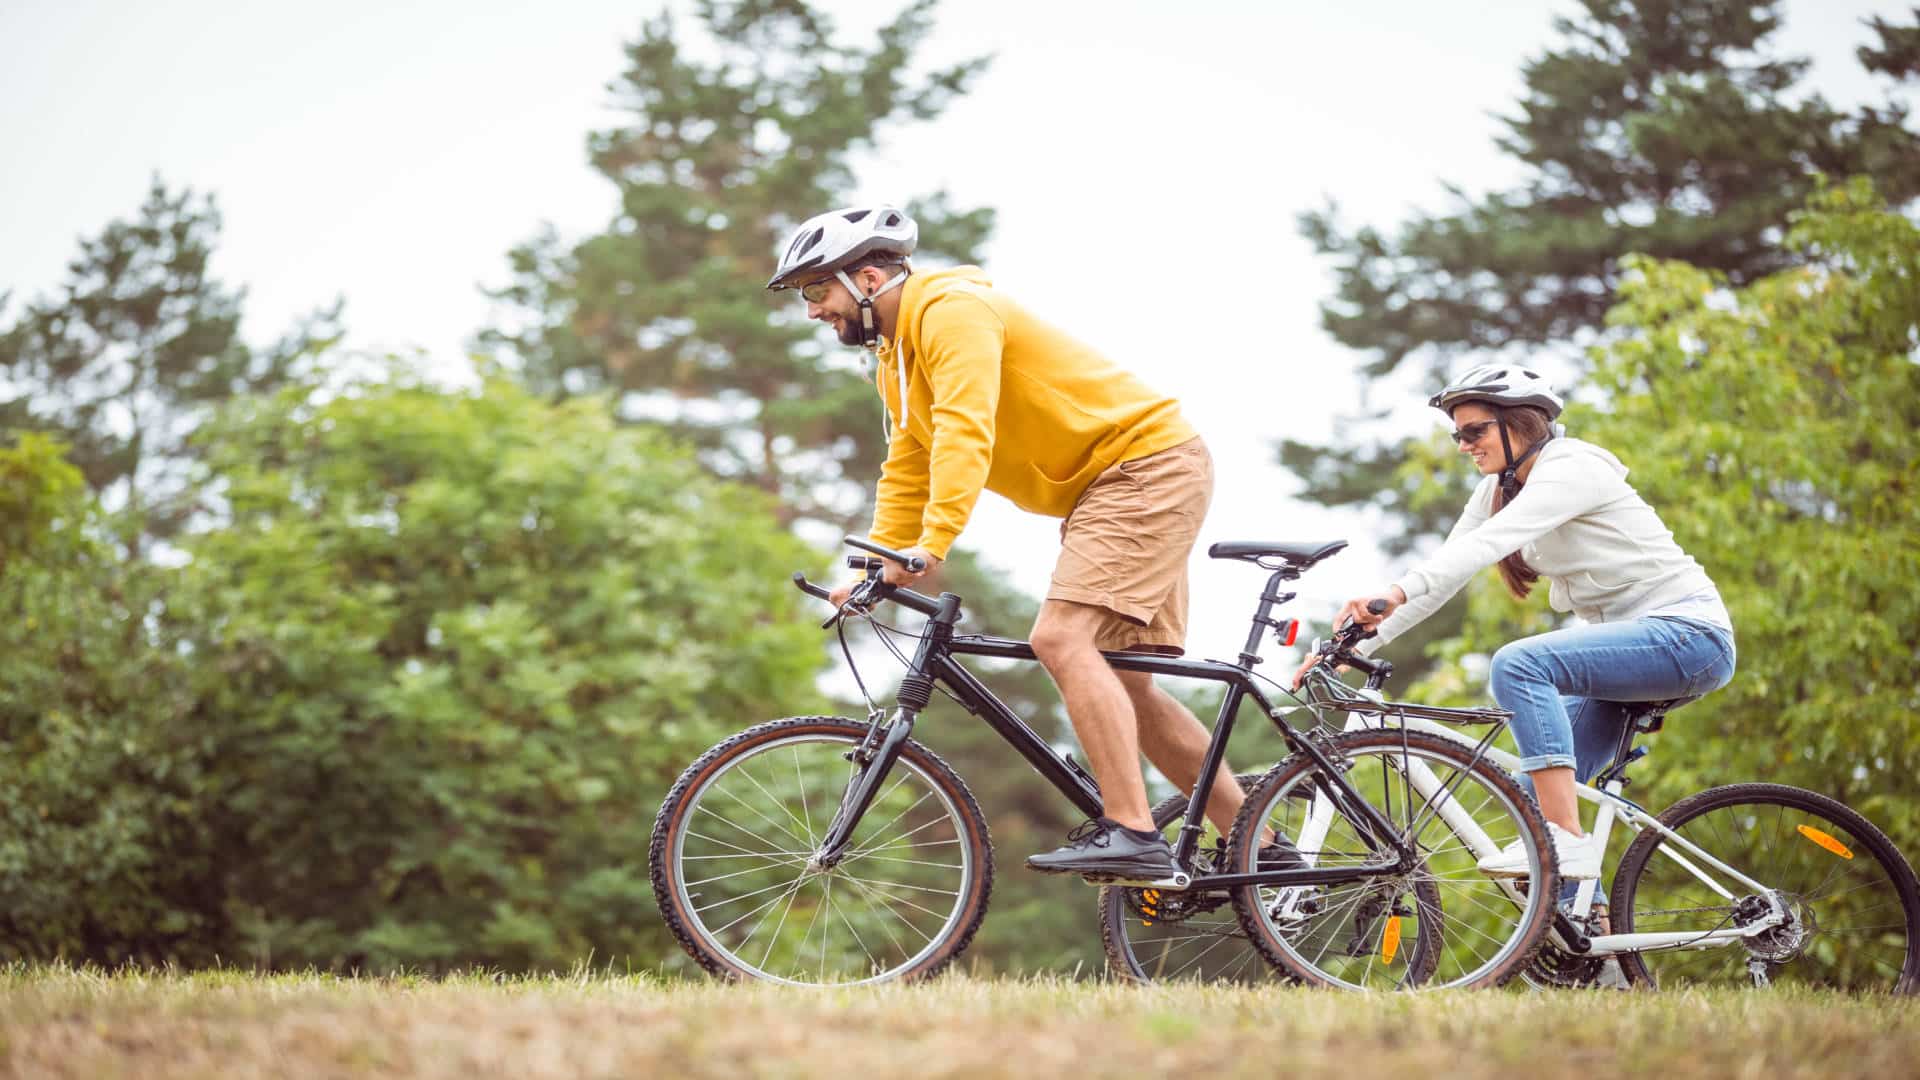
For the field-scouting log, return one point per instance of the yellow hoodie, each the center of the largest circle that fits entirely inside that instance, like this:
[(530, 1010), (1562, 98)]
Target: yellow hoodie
[(998, 399)]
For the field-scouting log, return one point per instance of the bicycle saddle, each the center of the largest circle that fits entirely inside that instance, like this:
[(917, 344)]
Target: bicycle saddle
[(1647, 717), (1298, 555)]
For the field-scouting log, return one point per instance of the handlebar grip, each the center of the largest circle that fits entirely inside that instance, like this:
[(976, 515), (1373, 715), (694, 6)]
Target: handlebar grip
[(911, 562), (1377, 606)]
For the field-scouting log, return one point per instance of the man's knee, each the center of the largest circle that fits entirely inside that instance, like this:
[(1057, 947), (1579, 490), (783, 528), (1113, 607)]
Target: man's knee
[(1062, 633)]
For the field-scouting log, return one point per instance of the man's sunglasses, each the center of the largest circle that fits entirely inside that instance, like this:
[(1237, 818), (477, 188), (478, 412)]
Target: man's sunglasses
[(816, 292), (1470, 433)]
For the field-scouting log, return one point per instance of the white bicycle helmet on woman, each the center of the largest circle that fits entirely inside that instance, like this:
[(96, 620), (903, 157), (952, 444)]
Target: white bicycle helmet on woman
[(836, 240), (1505, 386)]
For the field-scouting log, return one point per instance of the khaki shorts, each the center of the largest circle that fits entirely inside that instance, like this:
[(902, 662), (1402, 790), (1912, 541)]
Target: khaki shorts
[(1124, 547)]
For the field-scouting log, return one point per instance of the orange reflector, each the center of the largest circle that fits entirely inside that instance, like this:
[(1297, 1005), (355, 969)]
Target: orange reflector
[(1824, 841), (1390, 941), (1293, 631)]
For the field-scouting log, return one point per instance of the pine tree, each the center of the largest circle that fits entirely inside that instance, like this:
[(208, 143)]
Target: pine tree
[(736, 131), (139, 345), (1667, 128), (1670, 128)]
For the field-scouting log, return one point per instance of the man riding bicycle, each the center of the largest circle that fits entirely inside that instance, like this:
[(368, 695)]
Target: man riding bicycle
[(982, 395)]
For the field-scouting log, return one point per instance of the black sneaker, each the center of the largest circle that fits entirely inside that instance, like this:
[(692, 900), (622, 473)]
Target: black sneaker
[(1279, 855), (1105, 848)]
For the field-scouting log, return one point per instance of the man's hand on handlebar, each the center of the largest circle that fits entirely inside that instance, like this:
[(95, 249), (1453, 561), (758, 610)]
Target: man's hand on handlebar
[(900, 576), (895, 573)]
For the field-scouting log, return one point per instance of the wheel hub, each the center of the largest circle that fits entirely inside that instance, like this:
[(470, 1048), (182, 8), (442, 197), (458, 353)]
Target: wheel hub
[(1779, 944)]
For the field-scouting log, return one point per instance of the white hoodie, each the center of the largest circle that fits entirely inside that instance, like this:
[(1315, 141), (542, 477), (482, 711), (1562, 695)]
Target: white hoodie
[(1583, 527)]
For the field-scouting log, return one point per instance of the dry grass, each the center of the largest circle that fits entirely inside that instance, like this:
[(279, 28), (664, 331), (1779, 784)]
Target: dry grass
[(64, 1023)]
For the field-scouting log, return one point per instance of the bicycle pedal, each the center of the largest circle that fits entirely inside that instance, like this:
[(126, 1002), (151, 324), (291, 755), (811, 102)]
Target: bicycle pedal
[(1176, 883)]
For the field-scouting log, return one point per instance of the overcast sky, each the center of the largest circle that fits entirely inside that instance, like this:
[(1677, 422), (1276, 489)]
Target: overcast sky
[(1147, 161)]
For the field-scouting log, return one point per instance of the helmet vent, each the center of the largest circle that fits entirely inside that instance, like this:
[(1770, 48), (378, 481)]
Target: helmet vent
[(805, 243), (858, 214)]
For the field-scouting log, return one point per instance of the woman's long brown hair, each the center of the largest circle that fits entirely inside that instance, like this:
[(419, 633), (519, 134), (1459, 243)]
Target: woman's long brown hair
[(1526, 425)]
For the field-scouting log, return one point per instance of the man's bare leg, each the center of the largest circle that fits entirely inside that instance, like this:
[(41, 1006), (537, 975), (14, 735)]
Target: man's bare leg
[(1176, 742), (1098, 704)]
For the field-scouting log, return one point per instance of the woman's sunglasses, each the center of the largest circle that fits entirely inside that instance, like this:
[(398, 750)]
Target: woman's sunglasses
[(1470, 433)]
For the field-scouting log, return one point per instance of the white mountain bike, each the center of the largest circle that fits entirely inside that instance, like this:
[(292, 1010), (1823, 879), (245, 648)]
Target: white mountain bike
[(1762, 884)]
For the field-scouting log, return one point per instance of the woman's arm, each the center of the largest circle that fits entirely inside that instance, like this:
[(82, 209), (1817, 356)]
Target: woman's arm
[(1557, 491), (1411, 611)]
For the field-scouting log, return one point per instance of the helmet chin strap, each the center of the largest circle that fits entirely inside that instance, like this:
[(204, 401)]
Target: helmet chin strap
[(869, 326), (870, 336), (1510, 476)]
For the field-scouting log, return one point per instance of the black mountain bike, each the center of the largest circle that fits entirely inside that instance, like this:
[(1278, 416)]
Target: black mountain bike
[(821, 850)]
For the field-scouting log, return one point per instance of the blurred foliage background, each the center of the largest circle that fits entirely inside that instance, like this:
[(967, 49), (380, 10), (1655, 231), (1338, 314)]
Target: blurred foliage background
[(309, 661)]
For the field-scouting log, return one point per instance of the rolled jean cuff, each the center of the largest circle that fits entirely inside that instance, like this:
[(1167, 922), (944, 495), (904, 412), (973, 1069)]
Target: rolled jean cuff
[(1546, 761)]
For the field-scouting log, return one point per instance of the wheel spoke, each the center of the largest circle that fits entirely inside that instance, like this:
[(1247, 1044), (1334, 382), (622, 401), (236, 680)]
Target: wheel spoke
[(889, 905)]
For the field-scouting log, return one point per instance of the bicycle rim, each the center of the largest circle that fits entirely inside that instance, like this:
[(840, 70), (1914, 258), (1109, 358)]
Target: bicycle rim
[(1853, 910), (747, 894), (1442, 924)]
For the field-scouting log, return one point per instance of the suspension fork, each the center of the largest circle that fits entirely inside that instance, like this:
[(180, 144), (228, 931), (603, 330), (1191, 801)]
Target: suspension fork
[(874, 763)]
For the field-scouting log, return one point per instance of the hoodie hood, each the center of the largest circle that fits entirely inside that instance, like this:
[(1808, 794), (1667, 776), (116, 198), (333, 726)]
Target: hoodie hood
[(923, 290), (1564, 446)]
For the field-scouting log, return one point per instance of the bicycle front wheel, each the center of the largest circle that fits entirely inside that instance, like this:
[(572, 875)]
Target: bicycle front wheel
[(738, 882), (1852, 907), (1442, 923), (1153, 935)]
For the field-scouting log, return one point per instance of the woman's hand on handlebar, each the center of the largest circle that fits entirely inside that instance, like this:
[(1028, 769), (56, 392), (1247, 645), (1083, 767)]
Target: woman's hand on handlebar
[(1371, 609)]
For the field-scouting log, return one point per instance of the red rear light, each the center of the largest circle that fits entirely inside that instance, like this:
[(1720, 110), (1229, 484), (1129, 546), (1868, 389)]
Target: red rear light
[(1292, 632)]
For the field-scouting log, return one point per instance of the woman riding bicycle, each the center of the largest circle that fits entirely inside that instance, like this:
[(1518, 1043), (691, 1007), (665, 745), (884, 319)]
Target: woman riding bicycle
[(1554, 507)]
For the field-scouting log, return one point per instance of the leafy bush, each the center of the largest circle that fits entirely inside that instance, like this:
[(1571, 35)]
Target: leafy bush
[(423, 693)]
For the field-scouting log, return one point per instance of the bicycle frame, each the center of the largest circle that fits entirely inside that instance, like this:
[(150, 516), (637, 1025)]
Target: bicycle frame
[(934, 662), (1611, 806)]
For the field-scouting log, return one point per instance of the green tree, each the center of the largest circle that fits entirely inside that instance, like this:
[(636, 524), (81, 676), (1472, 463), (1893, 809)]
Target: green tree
[(139, 345), (1773, 425), (417, 702), (1671, 128), (101, 857), (736, 130), (1661, 127), (739, 129)]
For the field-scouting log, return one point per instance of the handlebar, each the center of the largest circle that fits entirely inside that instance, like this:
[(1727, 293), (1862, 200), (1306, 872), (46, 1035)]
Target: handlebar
[(1339, 650), (874, 589), (913, 563)]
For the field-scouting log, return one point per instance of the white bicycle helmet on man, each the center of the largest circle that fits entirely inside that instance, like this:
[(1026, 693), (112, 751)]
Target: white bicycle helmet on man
[(832, 242)]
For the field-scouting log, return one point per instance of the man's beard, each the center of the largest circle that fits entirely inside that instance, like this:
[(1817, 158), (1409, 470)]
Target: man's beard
[(849, 332)]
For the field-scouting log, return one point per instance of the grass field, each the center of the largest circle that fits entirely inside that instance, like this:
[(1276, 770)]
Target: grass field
[(64, 1023)]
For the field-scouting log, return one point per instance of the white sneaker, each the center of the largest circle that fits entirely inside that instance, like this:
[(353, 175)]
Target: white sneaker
[(1579, 856)]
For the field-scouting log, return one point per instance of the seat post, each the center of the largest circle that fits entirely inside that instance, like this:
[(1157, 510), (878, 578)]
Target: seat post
[(1263, 615)]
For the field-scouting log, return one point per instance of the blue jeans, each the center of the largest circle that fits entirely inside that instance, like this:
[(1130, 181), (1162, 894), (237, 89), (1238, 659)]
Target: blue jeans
[(1565, 688)]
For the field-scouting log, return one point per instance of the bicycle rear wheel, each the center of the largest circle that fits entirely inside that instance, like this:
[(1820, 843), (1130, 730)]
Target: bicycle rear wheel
[(1441, 924), (1153, 935), (1852, 902), (737, 881)]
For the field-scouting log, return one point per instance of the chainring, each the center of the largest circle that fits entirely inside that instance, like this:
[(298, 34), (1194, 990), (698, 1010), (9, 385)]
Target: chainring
[(1556, 967)]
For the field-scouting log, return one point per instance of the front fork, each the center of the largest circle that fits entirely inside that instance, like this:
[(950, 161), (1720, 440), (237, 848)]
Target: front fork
[(872, 761)]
